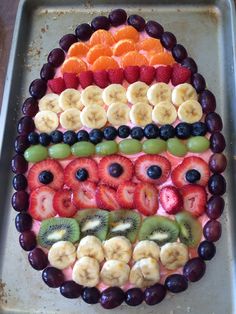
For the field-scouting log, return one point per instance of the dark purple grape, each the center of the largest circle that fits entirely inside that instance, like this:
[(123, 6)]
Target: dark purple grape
[(67, 40), (176, 283), (217, 142), (137, 22), (91, 295), (47, 72), (19, 164), (168, 40), (215, 206), (117, 17), (217, 184), (56, 57), (19, 182), (190, 64), (208, 101), (25, 125), (212, 230), (213, 122), (83, 32), (53, 277), (112, 297), (194, 269), (134, 296), (100, 22), (198, 82), (179, 53), (30, 107), (38, 88), (217, 163), (154, 294), (154, 29), (38, 259), (206, 250), (21, 144), (23, 222), (70, 289), (20, 201), (27, 240)]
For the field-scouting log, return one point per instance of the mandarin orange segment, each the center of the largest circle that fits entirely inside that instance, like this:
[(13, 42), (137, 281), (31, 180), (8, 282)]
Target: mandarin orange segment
[(102, 37), (127, 32), (73, 65), (78, 50), (104, 63), (123, 46), (97, 51), (134, 58), (150, 44), (162, 58)]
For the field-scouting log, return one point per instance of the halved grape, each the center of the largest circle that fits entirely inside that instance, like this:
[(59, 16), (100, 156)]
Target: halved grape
[(198, 144), (217, 142), (217, 184), (59, 151), (30, 107), (67, 40), (112, 297), (83, 149), (19, 164), (27, 240), (90, 295), (176, 147), (25, 125), (19, 182), (212, 230), (38, 259), (206, 250), (168, 40), (137, 22), (47, 72), (106, 148), (100, 22), (179, 52), (83, 32), (198, 82), (70, 289), (117, 17), (36, 153), (154, 146), (154, 29), (38, 88), (20, 201), (215, 206), (208, 101), (176, 283), (214, 122), (134, 296), (56, 57), (53, 277), (194, 269), (130, 146), (23, 222), (217, 163), (21, 144), (154, 294)]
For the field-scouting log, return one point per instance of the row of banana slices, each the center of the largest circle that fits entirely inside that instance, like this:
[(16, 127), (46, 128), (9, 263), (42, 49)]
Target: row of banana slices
[(117, 253)]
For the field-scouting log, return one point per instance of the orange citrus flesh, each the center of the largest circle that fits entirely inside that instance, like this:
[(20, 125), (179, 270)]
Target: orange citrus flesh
[(162, 58), (103, 37), (97, 51), (134, 58), (123, 46), (104, 63), (73, 65), (150, 44), (78, 50), (127, 32)]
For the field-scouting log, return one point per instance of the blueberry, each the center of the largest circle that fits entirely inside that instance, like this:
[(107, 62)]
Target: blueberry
[(115, 170), (44, 139), (137, 133), (110, 133), (192, 176), (199, 129), (33, 138), (82, 135), (45, 177), (151, 131), (123, 131), (96, 136), (167, 131), (69, 137), (183, 130), (82, 174), (56, 136), (154, 172)]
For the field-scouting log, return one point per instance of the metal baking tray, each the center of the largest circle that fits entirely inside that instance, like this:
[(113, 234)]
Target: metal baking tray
[(206, 28)]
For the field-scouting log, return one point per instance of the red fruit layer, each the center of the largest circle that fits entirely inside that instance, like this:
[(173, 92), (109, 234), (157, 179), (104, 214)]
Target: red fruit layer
[(125, 195), (62, 203), (84, 195), (180, 75), (116, 76), (106, 198), (86, 78), (194, 198), (146, 199), (147, 74), (57, 85), (171, 199), (163, 74), (71, 80), (101, 78)]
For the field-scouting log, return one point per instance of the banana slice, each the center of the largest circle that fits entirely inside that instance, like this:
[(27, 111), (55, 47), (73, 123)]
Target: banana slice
[(141, 114), (70, 98), (137, 92), (118, 248), (190, 111), (50, 102), (70, 119), (164, 113), (90, 246), (146, 248), (159, 92), (183, 92), (118, 113), (114, 93), (115, 273), (144, 273), (46, 121), (94, 117), (86, 272), (62, 254), (92, 95), (174, 255)]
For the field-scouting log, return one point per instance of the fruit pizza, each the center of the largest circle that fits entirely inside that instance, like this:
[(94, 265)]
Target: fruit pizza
[(118, 167)]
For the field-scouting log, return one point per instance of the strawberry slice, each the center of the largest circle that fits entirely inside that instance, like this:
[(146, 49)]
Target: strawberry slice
[(115, 169), (72, 172), (84, 195), (194, 198), (63, 205), (152, 169), (125, 195), (179, 174), (41, 203), (106, 198), (146, 198), (171, 199), (48, 171)]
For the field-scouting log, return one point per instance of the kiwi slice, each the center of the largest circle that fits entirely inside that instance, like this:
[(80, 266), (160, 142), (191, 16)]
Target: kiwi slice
[(190, 229), (58, 229), (124, 223), (159, 229), (93, 222)]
